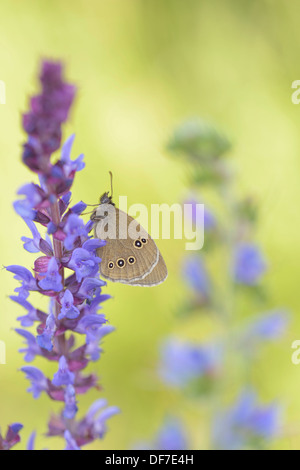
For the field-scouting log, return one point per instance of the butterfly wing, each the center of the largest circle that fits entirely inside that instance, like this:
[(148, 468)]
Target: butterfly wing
[(129, 256), (158, 275)]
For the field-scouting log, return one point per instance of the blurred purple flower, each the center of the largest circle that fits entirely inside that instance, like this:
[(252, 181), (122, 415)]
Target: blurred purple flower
[(195, 214), (31, 441), (184, 362), (245, 424), (196, 276), (12, 436), (249, 264), (48, 111), (71, 443), (171, 436), (270, 325)]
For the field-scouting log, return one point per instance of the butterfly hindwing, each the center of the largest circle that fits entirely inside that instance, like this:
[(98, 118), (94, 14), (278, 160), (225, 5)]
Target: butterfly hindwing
[(123, 258)]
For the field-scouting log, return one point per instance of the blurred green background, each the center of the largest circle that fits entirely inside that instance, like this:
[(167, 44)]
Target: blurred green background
[(141, 67)]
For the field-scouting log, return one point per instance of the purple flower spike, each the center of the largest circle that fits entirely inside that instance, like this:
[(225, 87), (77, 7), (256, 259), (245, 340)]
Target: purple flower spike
[(52, 281), (66, 245), (63, 376), (37, 379), (67, 307)]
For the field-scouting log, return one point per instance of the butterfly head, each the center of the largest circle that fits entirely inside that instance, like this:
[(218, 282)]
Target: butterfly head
[(106, 199)]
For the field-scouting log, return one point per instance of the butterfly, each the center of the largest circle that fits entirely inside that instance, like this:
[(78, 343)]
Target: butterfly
[(130, 255)]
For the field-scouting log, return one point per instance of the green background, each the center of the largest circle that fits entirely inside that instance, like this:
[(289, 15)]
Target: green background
[(141, 67)]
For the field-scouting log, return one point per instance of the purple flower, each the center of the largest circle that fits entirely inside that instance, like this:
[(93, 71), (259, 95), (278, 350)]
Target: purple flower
[(74, 228), (196, 276), (90, 286), (71, 443), (48, 111), (12, 436), (92, 349), (31, 317), (45, 340), (171, 436), (32, 347), (195, 213), (32, 244), (265, 327), (92, 326), (249, 264), (67, 306), (270, 325), (27, 279), (31, 441), (84, 263), (69, 165), (70, 409), (78, 208), (52, 280), (37, 379), (245, 424), (33, 197), (63, 376), (185, 362), (96, 417)]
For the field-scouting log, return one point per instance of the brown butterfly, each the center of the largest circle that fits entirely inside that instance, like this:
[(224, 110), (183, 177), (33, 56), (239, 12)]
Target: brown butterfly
[(130, 255)]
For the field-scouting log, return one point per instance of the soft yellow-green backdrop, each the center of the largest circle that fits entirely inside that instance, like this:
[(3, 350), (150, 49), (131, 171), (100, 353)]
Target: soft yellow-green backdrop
[(141, 67)]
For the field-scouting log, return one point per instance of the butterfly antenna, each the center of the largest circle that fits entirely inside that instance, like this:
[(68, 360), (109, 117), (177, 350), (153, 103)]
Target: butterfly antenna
[(111, 184), (90, 212)]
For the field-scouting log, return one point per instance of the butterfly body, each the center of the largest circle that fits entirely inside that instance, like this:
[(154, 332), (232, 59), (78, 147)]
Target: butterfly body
[(130, 255)]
